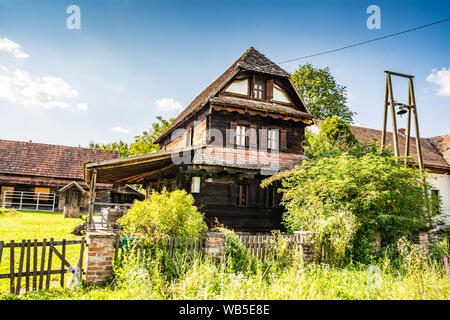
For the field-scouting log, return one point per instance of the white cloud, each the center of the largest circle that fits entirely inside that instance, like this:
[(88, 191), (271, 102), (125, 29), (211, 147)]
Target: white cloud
[(442, 79), (168, 104), (119, 130), (79, 107), (24, 88), (11, 47)]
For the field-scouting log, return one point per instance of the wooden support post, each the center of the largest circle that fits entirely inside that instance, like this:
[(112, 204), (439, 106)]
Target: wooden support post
[(416, 125), (394, 120), (91, 225), (386, 97)]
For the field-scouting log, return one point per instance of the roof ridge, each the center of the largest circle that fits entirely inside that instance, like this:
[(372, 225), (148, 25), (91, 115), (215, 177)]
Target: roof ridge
[(56, 145)]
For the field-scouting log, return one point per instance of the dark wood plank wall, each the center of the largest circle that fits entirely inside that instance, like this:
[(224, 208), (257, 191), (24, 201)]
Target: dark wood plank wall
[(294, 131), (217, 200)]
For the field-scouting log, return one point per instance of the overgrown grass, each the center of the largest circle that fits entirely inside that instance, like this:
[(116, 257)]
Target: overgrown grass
[(413, 276), (26, 225)]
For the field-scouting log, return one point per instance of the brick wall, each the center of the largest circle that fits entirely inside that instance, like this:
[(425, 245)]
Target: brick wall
[(215, 245)]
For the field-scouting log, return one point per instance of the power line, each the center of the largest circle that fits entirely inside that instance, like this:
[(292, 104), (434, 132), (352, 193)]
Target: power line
[(368, 41)]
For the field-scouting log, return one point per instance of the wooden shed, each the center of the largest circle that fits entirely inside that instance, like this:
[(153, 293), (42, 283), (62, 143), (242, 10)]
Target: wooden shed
[(70, 197)]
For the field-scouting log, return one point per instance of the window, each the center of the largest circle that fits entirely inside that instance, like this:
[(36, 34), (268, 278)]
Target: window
[(435, 201), (271, 197), (241, 195), (195, 186), (241, 139), (273, 138), (259, 89)]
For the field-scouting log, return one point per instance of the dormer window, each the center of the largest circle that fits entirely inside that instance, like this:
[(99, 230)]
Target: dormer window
[(259, 89)]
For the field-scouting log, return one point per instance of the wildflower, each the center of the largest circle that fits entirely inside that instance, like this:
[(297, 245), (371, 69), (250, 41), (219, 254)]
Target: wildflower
[(447, 267)]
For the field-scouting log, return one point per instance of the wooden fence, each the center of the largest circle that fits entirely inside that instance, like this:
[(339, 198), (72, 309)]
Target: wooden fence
[(34, 267), (142, 248), (258, 245)]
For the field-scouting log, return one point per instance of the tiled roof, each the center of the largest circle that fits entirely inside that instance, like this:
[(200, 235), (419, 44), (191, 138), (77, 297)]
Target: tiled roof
[(246, 159), (442, 143), (432, 157), (46, 160)]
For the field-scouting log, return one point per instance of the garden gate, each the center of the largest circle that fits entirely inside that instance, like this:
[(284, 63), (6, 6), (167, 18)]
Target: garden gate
[(36, 257)]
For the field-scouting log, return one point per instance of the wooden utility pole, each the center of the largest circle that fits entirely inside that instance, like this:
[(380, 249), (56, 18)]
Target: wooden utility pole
[(410, 108)]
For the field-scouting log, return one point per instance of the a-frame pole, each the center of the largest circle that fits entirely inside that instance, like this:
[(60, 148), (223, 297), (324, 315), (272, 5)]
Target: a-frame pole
[(386, 97), (408, 123), (394, 120), (416, 124)]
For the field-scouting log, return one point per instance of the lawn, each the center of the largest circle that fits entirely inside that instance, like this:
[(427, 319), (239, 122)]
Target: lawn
[(26, 225)]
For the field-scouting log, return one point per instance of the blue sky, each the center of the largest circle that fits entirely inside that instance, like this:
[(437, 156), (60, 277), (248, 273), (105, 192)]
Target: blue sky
[(134, 60)]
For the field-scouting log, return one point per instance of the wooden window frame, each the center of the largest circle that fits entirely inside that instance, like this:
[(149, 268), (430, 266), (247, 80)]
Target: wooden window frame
[(240, 195), (262, 90), (270, 140), (238, 137), (273, 192)]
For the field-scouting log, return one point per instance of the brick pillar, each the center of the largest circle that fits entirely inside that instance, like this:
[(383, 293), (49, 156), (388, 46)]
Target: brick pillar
[(215, 245), (423, 239), (99, 256)]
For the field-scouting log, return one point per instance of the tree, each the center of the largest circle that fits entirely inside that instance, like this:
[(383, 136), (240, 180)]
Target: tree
[(120, 146), (323, 96), (346, 200), (334, 138), (143, 144)]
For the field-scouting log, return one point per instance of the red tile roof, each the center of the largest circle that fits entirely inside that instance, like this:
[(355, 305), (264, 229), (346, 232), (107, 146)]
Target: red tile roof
[(46, 160), (432, 157)]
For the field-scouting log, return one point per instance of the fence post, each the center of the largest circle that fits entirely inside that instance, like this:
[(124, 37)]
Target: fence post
[(37, 203), (99, 255), (21, 200), (215, 245)]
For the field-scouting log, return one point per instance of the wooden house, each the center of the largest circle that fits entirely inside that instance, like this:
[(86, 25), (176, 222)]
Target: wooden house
[(248, 124), (28, 168)]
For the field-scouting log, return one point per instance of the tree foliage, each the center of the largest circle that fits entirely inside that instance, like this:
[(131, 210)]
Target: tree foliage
[(164, 214), (347, 199), (322, 94), (143, 143)]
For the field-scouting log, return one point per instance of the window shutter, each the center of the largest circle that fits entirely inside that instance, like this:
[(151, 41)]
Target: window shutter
[(232, 133), (263, 139), (283, 139), (253, 132), (252, 194), (269, 89)]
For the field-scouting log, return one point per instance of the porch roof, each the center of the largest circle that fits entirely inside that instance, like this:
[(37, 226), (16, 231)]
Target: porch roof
[(132, 170)]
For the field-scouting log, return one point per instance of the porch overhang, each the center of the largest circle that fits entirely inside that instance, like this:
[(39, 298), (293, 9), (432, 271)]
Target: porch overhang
[(132, 170)]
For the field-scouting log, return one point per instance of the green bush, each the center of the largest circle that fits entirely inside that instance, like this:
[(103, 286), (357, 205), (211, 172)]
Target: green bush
[(346, 200), (164, 214)]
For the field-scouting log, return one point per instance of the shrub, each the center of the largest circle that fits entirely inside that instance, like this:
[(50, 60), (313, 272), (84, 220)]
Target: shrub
[(164, 214), (348, 199)]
